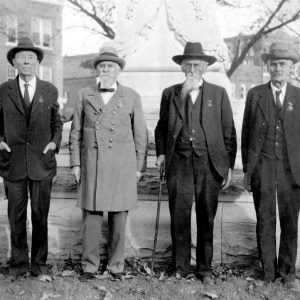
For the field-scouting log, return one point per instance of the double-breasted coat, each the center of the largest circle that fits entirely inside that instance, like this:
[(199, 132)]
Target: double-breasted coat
[(255, 126), (28, 143), (108, 142), (217, 122)]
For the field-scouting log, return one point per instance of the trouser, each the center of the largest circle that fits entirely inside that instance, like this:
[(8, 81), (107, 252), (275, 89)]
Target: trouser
[(271, 177), (92, 223), (189, 176), (17, 195)]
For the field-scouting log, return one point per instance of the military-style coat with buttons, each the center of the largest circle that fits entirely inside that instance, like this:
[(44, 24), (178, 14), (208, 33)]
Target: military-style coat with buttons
[(255, 125), (26, 158), (108, 142), (217, 123)]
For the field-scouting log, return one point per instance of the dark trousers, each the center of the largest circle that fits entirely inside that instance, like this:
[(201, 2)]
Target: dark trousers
[(271, 177), (92, 223), (17, 195), (189, 176)]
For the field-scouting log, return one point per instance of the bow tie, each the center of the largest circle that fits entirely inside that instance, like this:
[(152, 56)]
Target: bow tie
[(110, 90)]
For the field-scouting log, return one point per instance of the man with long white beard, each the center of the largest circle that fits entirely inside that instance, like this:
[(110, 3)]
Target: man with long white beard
[(196, 143), (107, 150)]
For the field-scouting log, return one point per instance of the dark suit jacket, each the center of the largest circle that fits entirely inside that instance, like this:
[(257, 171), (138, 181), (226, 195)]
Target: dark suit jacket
[(26, 157), (217, 122), (255, 125)]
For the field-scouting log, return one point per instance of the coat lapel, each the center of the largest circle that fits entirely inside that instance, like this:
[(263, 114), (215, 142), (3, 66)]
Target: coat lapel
[(38, 98), (115, 101), (207, 100), (94, 98), (14, 94), (179, 103), (289, 104), (263, 99)]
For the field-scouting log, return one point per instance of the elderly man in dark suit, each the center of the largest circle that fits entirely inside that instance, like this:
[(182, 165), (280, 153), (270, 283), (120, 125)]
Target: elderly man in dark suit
[(107, 150), (196, 140), (271, 162), (30, 135)]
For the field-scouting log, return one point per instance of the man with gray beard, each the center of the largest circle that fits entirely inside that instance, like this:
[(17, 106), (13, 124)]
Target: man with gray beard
[(196, 143)]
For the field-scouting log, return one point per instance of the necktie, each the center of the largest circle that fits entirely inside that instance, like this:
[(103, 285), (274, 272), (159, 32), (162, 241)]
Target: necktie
[(26, 94), (277, 100), (110, 90)]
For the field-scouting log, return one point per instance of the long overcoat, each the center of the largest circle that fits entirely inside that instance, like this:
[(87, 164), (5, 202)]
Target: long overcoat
[(217, 123), (108, 142), (27, 143), (255, 125)]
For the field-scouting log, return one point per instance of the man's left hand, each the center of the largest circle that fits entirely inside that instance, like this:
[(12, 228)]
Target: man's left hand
[(226, 182), (50, 146)]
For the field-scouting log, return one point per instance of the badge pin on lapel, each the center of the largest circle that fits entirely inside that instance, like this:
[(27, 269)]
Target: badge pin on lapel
[(41, 100), (290, 107), (209, 103)]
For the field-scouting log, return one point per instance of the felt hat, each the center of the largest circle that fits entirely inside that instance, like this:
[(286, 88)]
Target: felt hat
[(24, 44), (193, 51), (108, 54), (280, 50)]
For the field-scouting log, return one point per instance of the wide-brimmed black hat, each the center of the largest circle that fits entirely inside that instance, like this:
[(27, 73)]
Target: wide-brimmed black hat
[(280, 50), (193, 51), (24, 44), (108, 54)]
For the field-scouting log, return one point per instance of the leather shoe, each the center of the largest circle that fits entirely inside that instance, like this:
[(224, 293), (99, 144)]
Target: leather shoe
[(206, 279), (86, 276)]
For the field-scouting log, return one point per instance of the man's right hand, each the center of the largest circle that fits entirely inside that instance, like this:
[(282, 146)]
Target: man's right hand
[(76, 170), (246, 183), (4, 146), (160, 161)]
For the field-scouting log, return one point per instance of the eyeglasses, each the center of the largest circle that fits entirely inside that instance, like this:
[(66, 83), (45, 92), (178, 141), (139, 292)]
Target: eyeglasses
[(29, 58)]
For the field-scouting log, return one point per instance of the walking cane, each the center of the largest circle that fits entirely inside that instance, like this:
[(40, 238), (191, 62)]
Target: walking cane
[(161, 178)]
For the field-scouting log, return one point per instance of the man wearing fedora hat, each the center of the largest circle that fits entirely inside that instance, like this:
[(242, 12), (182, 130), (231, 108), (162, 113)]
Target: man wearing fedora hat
[(196, 142), (30, 135), (271, 162), (107, 148)]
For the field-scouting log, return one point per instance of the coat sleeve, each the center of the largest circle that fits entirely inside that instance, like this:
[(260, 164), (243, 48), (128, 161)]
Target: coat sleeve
[(228, 128), (76, 132), (246, 131), (161, 130), (139, 132), (55, 123), (1, 116)]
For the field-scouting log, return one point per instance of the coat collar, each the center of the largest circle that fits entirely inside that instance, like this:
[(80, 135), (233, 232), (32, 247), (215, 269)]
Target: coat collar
[(38, 98)]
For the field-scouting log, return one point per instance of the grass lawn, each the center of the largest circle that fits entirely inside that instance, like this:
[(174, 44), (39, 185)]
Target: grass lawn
[(229, 283)]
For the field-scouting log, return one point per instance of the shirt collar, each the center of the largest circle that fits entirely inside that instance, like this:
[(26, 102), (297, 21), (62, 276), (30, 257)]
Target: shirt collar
[(274, 88), (32, 82)]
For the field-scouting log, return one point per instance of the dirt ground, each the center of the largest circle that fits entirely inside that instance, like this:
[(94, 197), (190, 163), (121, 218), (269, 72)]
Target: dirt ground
[(229, 283)]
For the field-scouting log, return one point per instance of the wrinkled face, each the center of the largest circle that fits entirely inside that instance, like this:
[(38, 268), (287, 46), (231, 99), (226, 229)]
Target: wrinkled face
[(26, 62), (279, 70), (108, 71), (194, 68)]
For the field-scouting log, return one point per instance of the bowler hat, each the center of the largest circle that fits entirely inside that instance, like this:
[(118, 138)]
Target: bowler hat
[(24, 44), (280, 50), (108, 54), (193, 51)]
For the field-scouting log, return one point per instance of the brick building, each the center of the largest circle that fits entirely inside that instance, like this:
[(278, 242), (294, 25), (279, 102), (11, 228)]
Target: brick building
[(41, 20), (253, 71)]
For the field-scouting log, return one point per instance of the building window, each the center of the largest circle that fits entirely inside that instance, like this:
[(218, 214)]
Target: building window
[(41, 30), (45, 73), (12, 29), (12, 72), (243, 91)]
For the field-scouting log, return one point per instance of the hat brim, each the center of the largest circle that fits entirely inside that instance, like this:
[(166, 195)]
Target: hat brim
[(120, 61), (13, 51), (179, 58), (265, 57)]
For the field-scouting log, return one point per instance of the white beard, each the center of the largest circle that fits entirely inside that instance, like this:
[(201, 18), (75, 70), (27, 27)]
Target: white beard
[(106, 81), (191, 83)]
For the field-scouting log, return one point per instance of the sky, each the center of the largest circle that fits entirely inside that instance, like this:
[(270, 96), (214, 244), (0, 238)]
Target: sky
[(77, 40)]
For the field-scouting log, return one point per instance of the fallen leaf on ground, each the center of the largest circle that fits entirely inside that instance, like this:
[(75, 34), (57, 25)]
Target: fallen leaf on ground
[(162, 276), (147, 269), (45, 278), (210, 295), (101, 288), (249, 278), (108, 296), (66, 273), (48, 296), (21, 293)]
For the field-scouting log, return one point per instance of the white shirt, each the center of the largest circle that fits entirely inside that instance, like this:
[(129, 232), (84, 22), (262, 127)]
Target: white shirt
[(31, 87), (195, 92), (281, 95), (107, 95)]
